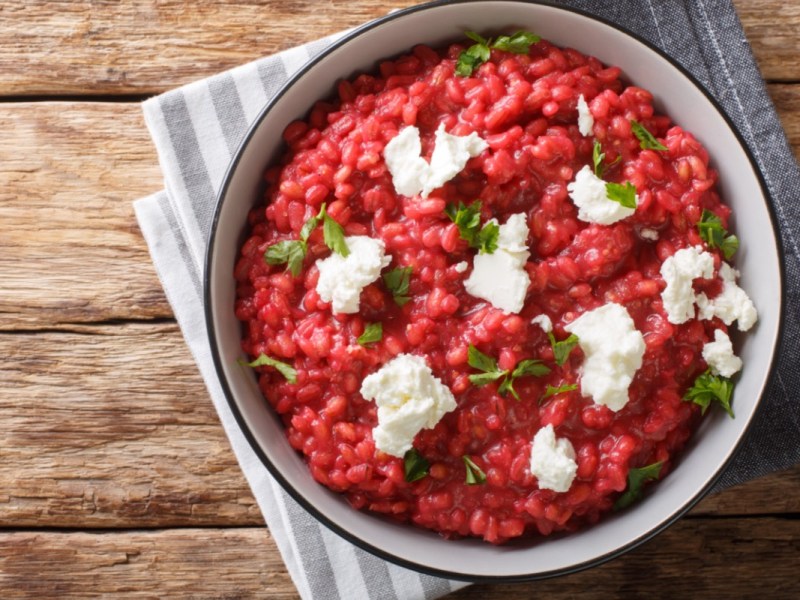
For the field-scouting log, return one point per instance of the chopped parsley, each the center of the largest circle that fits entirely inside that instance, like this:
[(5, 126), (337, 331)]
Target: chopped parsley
[(468, 221), (636, 479), (475, 476), (373, 332), (552, 390), (477, 54), (397, 280), (598, 156), (625, 194), (562, 349), (647, 140), (415, 466), (491, 372), (715, 235), (292, 252), (265, 361), (710, 388)]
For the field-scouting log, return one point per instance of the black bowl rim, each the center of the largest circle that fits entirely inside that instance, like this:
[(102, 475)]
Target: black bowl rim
[(341, 531)]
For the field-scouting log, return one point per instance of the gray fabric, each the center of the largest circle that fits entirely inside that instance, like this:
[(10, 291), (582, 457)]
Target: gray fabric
[(196, 130)]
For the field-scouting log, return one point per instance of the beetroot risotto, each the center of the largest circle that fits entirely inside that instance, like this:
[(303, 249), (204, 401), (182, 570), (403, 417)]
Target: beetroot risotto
[(488, 289)]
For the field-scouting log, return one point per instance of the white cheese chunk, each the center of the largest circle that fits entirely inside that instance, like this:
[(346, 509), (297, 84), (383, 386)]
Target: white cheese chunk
[(679, 271), (614, 349), (588, 193), (341, 279), (403, 156), (500, 278), (412, 174), (461, 267), (544, 322), (409, 398), (649, 234), (552, 461), (585, 118), (732, 304), (720, 357)]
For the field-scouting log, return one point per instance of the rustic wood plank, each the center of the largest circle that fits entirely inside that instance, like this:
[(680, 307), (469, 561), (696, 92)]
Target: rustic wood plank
[(112, 427), (70, 247), (147, 46), (197, 563), (692, 559), (771, 27)]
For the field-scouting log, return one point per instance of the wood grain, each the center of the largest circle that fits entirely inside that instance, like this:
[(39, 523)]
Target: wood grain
[(111, 427), (70, 248), (693, 559), (147, 46)]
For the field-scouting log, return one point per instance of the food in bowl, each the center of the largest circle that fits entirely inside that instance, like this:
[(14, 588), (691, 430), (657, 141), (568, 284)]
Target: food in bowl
[(488, 289)]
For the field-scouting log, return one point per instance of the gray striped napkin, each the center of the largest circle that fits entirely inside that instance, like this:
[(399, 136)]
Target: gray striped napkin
[(196, 130)]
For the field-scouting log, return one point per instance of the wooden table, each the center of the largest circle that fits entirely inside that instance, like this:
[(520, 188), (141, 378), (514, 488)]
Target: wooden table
[(115, 476)]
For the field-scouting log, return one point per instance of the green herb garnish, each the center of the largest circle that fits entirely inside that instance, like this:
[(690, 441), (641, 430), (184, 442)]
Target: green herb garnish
[(468, 221), (624, 194), (647, 140), (475, 476), (397, 280), (373, 332), (715, 235), (415, 465), (552, 390), (598, 156), (636, 479), (477, 54), (562, 349), (491, 372), (265, 361), (710, 388), (333, 234), (289, 252), (292, 252)]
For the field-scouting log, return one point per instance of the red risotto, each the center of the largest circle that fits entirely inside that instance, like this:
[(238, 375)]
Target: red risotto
[(617, 404)]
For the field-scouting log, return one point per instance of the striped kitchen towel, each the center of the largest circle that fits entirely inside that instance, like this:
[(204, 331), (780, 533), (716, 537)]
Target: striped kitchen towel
[(197, 129)]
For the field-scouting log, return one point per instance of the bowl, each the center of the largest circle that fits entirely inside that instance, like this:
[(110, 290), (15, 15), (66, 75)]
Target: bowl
[(740, 184)]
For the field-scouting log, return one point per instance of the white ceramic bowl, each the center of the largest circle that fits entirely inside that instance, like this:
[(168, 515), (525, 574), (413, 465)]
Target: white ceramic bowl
[(758, 259)]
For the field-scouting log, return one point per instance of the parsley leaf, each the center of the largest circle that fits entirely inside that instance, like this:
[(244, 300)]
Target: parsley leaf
[(624, 194), (715, 235), (636, 479), (373, 332), (708, 388), (265, 361), (415, 465), (475, 476), (397, 280), (468, 221), (597, 159), (291, 252), (478, 360), (647, 140), (486, 241), (491, 372), (473, 57), (562, 349), (334, 235), (517, 43), (552, 391)]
